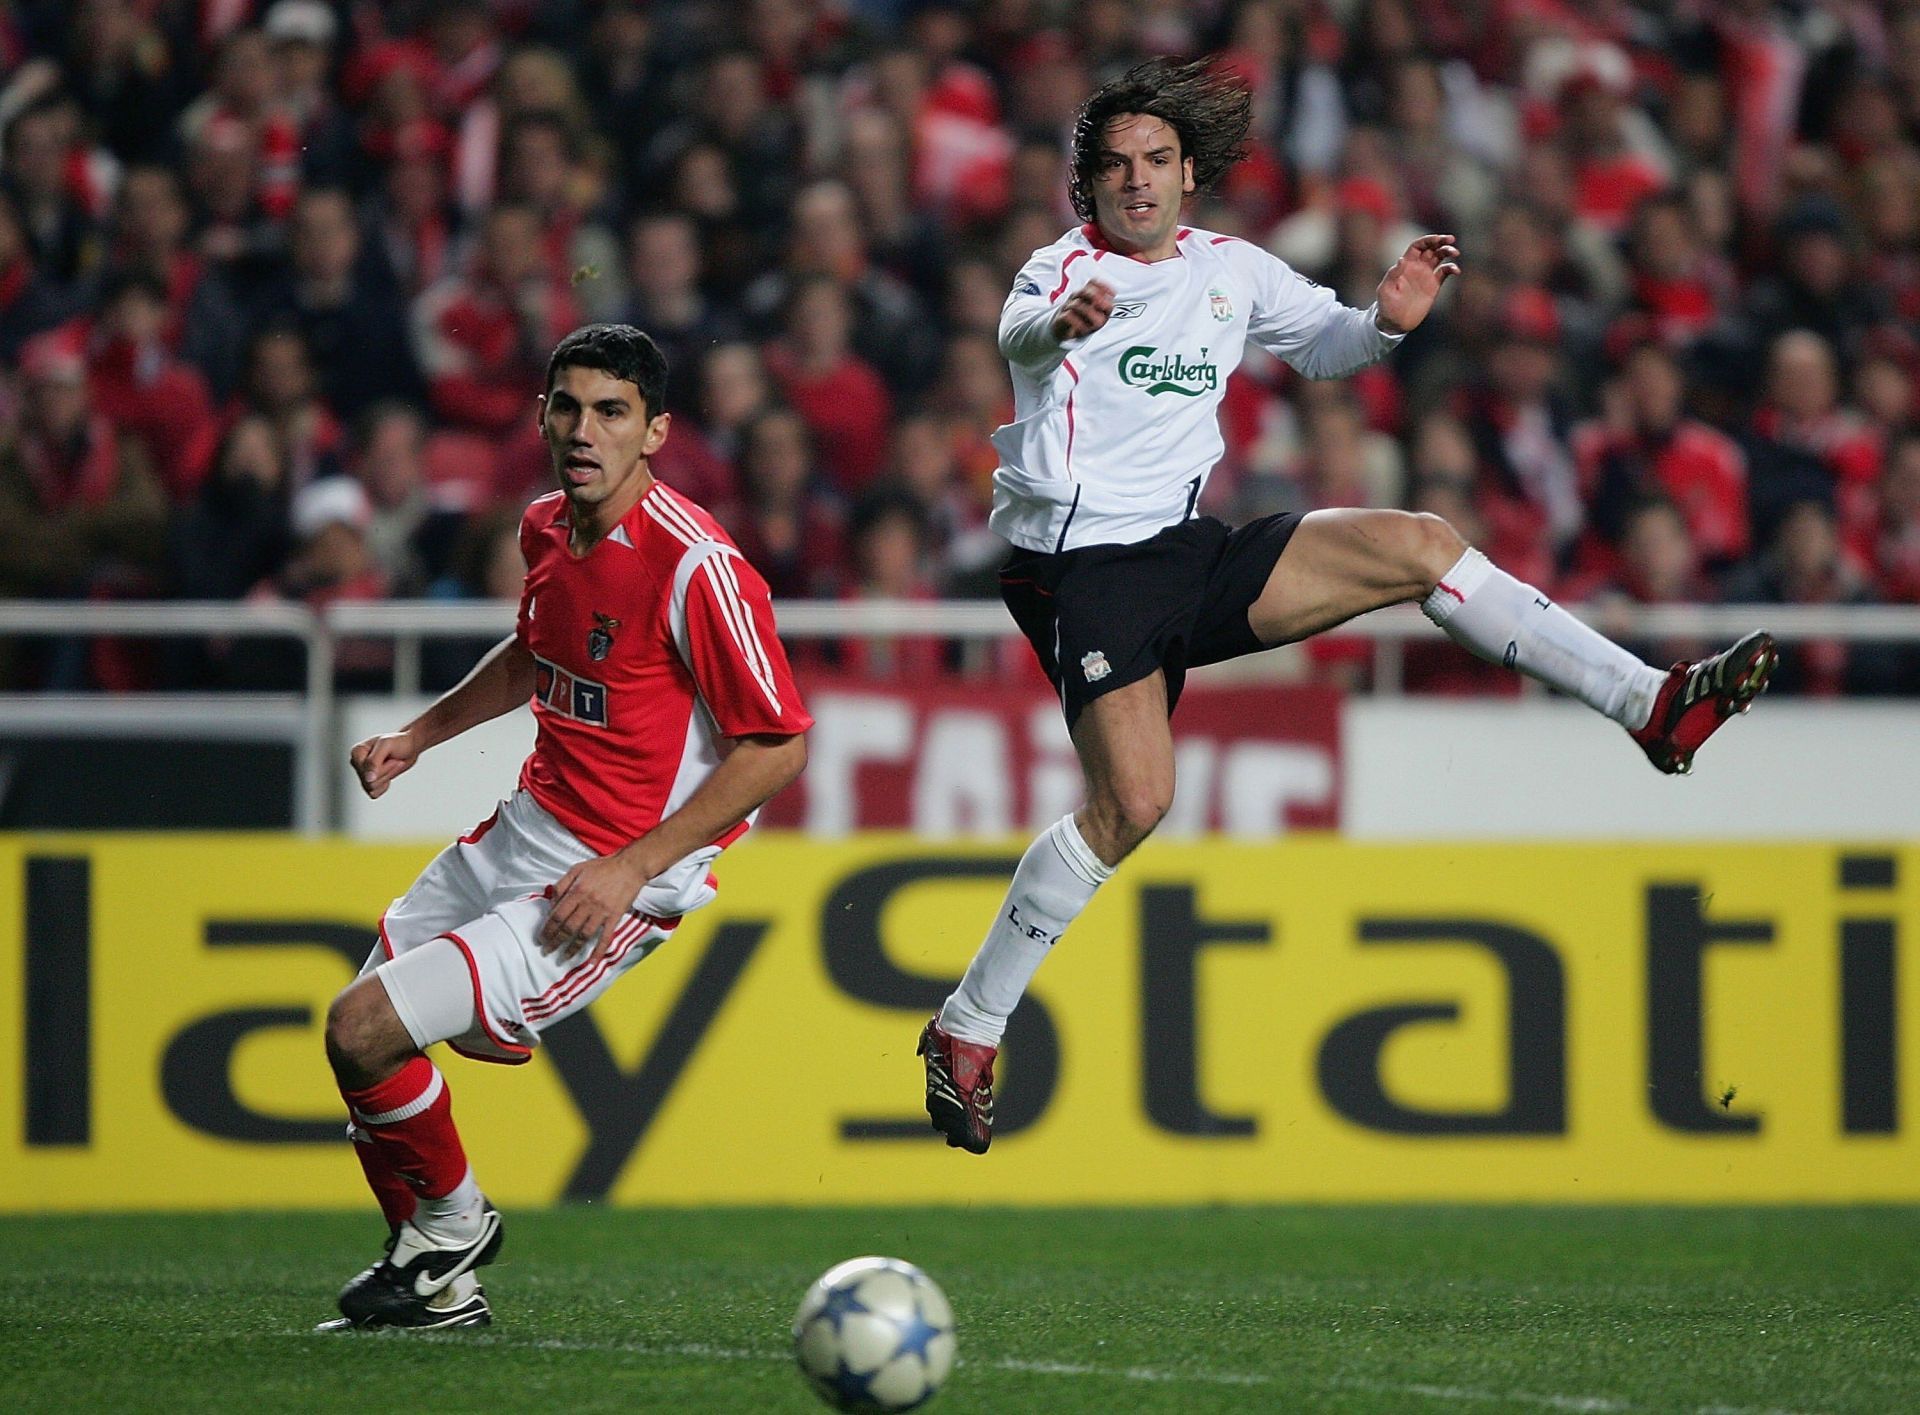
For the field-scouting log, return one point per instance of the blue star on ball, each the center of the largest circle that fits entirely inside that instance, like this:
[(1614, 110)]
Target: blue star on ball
[(841, 1304), (915, 1337), (852, 1389)]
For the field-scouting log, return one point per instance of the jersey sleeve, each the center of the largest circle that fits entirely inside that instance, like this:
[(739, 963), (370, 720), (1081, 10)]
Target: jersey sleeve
[(1026, 320), (523, 619), (1301, 322), (723, 627)]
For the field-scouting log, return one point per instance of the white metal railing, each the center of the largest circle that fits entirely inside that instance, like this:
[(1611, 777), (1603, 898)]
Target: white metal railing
[(307, 721)]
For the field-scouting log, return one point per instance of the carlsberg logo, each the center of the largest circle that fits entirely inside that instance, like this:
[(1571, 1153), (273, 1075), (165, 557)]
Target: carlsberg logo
[(1145, 366)]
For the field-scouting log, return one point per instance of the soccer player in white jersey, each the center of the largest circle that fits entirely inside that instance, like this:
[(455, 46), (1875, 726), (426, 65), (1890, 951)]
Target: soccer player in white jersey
[(1121, 335), (665, 716)]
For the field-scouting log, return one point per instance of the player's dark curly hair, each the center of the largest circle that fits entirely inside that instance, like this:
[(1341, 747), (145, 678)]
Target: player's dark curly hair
[(618, 349), (1204, 105)]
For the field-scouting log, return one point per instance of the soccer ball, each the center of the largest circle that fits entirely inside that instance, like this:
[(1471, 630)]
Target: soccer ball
[(874, 1334)]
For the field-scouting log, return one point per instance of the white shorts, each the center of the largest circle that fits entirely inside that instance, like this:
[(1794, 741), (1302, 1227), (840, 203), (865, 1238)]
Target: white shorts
[(487, 895)]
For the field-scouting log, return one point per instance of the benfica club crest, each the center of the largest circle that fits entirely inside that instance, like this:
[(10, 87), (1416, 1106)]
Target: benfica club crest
[(600, 636)]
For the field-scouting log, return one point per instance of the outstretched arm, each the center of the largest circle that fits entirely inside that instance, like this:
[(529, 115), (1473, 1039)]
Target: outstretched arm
[(594, 893), (499, 683), (1408, 290), (1304, 324)]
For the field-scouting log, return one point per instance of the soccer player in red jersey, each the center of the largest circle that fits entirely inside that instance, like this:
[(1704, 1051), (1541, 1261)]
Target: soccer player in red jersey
[(666, 716)]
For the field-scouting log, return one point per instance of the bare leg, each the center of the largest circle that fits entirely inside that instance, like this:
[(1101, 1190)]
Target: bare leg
[(1126, 752), (1343, 563)]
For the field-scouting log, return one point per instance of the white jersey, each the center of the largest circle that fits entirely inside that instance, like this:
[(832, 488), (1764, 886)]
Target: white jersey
[(1114, 435)]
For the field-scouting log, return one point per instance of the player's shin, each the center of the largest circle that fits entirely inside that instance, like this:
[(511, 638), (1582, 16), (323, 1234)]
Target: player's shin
[(408, 1119), (1054, 882), (395, 1198), (1490, 613)]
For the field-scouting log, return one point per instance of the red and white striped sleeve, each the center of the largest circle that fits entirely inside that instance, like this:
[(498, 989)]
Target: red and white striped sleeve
[(723, 625)]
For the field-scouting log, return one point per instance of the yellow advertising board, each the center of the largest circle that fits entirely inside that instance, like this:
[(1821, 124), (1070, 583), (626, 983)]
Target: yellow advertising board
[(1302, 1020)]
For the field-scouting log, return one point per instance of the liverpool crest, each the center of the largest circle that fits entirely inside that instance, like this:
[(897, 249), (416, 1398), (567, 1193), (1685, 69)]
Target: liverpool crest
[(600, 636), (1095, 666), (1222, 306)]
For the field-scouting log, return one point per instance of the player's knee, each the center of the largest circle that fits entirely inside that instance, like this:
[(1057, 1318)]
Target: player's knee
[(1433, 548), (357, 1045), (1138, 809)]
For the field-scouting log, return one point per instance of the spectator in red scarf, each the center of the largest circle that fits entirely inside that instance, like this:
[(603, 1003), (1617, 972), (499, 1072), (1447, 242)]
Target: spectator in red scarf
[(150, 225), (839, 395), (143, 389), (1646, 446), (78, 503), (482, 338)]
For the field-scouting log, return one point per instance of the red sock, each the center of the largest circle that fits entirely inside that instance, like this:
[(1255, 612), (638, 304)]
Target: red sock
[(408, 1119), (396, 1199)]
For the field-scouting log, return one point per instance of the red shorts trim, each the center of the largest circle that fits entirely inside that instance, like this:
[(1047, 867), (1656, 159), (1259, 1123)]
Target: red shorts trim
[(520, 1053)]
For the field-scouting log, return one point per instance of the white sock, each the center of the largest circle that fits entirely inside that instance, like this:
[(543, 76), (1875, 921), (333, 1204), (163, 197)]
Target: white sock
[(454, 1217), (1056, 878), (1487, 611)]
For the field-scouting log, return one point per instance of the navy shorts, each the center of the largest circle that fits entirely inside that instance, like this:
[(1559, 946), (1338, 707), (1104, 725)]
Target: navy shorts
[(1104, 616)]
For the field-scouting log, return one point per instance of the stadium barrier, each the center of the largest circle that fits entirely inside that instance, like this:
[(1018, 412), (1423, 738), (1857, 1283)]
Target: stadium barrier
[(1303, 1020), (307, 725)]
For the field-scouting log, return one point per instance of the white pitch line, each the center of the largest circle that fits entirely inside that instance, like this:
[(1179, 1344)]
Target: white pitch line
[(1580, 1404)]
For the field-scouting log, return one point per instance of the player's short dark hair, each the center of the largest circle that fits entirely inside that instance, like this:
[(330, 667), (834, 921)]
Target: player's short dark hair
[(1205, 106), (621, 350)]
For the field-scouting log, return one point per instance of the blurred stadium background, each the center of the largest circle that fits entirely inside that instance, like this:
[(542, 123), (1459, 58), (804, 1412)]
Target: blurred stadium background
[(277, 284)]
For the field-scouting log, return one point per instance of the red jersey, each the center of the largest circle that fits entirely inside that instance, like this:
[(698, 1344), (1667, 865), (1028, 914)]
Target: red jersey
[(653, 649)]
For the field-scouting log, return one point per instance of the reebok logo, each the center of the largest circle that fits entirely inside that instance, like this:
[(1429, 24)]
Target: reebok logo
[(1144, 366), (1129, 309)]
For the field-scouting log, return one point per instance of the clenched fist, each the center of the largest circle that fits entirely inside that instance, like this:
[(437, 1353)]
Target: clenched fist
[(1086, 310)]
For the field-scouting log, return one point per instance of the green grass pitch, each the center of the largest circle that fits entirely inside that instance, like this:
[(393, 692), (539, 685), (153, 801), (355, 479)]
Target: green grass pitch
[(1245, 1309)]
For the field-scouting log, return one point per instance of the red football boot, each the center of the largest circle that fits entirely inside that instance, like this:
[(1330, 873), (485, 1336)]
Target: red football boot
[(1698, 697), (959, 1087)]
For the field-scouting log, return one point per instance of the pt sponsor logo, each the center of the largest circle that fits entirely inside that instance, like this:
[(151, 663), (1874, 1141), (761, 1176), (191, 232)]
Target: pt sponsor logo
[(1144, 366)]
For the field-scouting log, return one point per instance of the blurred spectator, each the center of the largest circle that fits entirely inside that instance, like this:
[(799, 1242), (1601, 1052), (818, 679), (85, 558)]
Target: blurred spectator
[(145, 391), (411, 222), (80, 508), (1646, 446), (959, 157), (734, 390), (1658, 564), (623, 77), (235, 533), (485, 564), (1520, 421), (1814, 286), (1806, 564), (838, 394), (483, 337), (890, 329), (331, 563), (924, 463), (280, 386), (409, 532), (57, 191), (1618, 157), (784, 522), (1802, 444), (663, 269), (1896, 549), (345, 308), (542, 165), (302, 34), (29, 302), (904, 237), (245, 112), (120, 67), (150, 227), (754, 138), (888, 531), (238, 235), (1681, 288)]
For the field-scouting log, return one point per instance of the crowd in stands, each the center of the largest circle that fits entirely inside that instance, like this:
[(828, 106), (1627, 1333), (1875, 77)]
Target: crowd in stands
[(278, 281)]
